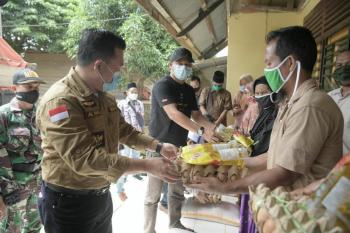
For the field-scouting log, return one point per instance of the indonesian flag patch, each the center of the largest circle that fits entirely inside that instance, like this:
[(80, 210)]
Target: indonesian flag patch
[(59, 113)]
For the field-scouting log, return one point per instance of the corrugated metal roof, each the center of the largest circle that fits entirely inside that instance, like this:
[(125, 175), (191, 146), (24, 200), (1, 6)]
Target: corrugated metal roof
[(206, 37), (201, 25)]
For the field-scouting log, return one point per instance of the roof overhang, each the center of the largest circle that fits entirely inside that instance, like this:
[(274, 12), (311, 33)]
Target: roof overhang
[(201, 25), (198, 25)]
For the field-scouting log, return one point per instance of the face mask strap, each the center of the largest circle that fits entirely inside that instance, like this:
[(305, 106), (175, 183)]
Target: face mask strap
[(110, 70), (297, 80), (272, 100), (278, 66), (285, 80), (262, 96)]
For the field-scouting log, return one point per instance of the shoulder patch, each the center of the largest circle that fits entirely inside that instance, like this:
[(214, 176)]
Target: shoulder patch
[(89, 103), (58, 113)]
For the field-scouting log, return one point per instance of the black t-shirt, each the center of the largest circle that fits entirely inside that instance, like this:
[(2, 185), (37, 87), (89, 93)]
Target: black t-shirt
[(168, 91)]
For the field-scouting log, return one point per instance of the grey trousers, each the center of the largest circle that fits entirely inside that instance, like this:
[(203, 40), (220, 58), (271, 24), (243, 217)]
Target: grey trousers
[(153, 193)]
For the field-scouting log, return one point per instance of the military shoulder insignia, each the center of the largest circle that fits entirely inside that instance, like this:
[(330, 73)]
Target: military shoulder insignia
[(89, 103), (58, 113)]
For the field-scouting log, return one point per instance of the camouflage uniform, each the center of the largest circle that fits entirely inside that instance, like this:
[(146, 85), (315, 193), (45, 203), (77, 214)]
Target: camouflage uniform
[(20, 156)]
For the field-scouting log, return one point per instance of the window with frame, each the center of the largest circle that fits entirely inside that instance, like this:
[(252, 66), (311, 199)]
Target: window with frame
[(329, 22)]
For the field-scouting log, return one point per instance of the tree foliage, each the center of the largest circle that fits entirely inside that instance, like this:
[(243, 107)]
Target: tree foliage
[(56, 26), (148, 46), (107, 14), (37, 24)]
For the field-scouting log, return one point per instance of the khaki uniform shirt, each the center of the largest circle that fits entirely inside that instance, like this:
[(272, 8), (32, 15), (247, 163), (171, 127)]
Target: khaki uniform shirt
[(307, 135), (217, 102), (344, 105), (80, 133)]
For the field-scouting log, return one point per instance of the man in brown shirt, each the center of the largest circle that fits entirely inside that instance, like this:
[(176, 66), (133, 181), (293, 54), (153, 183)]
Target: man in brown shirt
[(81, 127), (306, 140), (215, 101)]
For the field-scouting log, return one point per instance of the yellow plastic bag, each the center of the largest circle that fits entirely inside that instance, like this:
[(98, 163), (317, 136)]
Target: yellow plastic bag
[(204, 154), (245, 141)]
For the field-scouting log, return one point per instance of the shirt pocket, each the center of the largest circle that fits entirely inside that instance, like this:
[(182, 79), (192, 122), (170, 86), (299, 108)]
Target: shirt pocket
[(96, 123), (19, 139)]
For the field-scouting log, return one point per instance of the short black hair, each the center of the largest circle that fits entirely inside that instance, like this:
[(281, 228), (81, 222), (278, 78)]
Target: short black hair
[(98, 44), (195, 78), (297, 41)]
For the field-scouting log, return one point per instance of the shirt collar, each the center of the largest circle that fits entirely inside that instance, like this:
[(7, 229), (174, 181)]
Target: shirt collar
[(341, 93), (302, 89), (83, 89), (173, 81)]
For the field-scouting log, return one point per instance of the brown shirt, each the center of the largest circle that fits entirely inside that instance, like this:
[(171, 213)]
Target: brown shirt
[(307, 135), (80, 133), (215, 102)]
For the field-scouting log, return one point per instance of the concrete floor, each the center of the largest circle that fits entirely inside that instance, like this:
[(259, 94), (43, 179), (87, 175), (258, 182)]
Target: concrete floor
[(128, 215)]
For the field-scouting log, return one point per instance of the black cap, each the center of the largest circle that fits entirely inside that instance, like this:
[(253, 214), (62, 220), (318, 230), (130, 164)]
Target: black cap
[(181, 53), (26, 76), (131, 85), (218, 76)]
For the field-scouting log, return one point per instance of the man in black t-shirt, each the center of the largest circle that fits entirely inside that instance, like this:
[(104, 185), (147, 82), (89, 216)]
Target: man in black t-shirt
[(173, 105)]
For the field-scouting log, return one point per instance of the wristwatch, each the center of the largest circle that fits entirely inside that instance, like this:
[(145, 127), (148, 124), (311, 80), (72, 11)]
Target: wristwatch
[(200, 131), (159, 147)]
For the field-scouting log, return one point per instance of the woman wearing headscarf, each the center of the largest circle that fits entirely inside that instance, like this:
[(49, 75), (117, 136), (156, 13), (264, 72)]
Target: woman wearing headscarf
[(260, 133)]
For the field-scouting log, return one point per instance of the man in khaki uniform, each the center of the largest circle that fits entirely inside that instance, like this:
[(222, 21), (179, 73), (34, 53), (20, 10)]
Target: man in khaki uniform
[(215, 101), (306, 140), (81, 127)]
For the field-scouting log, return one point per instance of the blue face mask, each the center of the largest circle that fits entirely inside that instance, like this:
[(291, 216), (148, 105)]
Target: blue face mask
[(241, 88), (112, 85), (181, 72)]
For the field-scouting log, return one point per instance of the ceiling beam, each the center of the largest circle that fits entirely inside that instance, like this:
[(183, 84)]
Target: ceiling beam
[(209, 22), (255, 8), (160, 14), (214, 49), (290, 4), (201, 16)]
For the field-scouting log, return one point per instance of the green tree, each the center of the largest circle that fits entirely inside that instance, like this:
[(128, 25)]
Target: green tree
[(148, 48), (37, 24), (107, 14), (148, 44)]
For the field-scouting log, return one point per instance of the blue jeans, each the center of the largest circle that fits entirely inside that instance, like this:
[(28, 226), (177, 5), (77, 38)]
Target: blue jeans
[(164, 201), (133, 154)]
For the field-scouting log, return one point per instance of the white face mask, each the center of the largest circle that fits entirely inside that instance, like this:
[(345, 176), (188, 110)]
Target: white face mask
[(133, 96), (181, 72)]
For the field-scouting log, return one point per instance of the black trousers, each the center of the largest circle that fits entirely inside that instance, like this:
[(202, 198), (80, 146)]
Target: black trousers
[(62, 213)]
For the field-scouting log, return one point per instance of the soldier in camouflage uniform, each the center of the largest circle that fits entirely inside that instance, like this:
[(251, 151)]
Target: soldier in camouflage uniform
[(20, 157)]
